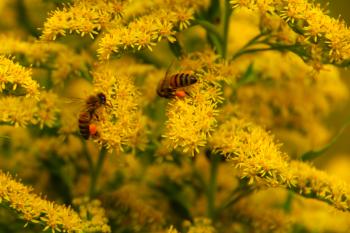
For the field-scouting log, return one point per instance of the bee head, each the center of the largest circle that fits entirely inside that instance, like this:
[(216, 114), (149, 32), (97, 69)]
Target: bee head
[(193, 79), (102, 98)]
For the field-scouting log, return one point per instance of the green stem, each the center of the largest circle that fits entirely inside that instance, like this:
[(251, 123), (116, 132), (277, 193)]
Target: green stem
[(287, 206), (237, 194), (241, 191), (254, 40), (233, 199), (211, 28), (313, 154), (212, 186), (218, 45), (213, 10), (227, 14), (214, 34), (176, 48), (248, 51), (148, 58), (97, 170), (87, 156), (23, 19)]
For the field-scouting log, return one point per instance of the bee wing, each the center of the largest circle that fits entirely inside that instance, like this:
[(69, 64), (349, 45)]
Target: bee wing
[(74, 103), (73, 100), (174, 65), (169, 68), (165, 81)]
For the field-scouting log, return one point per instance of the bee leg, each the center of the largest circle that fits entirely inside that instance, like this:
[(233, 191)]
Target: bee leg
[(96, 135), (96, 117), (188, 94), (169, 93)]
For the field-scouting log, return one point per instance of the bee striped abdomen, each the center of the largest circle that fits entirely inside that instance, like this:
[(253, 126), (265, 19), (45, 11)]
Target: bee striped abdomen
[(169, 86), (187, 79), (92, 103), (84, 121), (182, 80)]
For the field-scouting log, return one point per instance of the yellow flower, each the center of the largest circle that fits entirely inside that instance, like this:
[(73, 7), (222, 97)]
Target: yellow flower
[(83, 17), (34, 209), (148, 29), (277, 98), (241, 3), (121, 120), (47, 109), (13, 76), (93, 214), (190, 121), (260, 162), (20, 110), (200, 225), (59, 59), (329, 35)]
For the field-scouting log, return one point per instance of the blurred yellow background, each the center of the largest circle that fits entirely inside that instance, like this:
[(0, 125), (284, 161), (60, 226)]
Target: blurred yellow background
[(342, 8)]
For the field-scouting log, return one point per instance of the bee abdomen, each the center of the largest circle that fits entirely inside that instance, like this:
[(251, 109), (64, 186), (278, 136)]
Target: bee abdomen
[(85, 133), (182, 80), (84, 121), (84, 117)]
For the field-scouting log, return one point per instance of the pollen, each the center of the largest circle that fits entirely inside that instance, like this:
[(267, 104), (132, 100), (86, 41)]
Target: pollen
[(92, 129)]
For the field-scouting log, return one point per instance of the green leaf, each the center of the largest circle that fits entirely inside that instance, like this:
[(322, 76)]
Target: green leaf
[(287, 205), (248, 76), (176, 48)]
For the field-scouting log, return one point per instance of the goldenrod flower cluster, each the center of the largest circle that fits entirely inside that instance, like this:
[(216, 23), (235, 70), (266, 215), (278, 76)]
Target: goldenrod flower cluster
[(270, 105), (147, 30), (200, 225), (13, 75), (58, 58), (121, 124), (260, 161), (20, 111), (33, 208), (173, 116), (93, 214), (322, 39), (83, 17), (191, 120), (89, 17)]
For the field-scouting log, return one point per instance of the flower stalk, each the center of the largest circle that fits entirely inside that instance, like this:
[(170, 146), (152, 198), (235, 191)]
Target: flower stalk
[(96, 171)]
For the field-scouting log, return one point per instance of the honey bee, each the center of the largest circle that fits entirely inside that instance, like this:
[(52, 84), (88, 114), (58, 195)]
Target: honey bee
[(169, 85), (92, 103), (87, 130)]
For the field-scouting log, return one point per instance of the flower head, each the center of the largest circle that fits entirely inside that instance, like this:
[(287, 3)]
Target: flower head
[(120, 121), (35, 209), (13, 76)]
